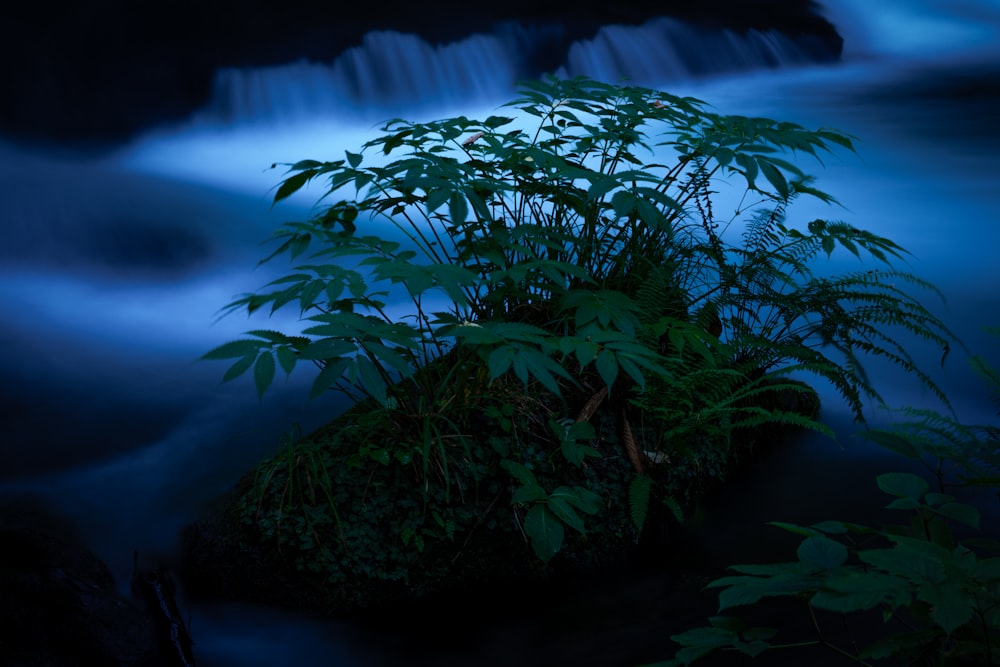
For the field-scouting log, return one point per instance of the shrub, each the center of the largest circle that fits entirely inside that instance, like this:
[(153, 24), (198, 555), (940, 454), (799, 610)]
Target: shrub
[(490, 290), (926, 592)]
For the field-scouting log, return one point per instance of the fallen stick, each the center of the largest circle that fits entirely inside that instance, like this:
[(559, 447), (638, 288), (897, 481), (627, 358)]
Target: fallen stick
[(156, 588)]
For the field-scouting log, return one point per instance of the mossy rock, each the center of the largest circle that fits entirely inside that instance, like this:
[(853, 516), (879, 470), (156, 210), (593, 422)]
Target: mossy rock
[(360, 514)]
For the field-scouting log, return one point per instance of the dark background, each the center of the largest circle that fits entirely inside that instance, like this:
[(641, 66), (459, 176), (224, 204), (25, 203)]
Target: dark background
[(86, 72)]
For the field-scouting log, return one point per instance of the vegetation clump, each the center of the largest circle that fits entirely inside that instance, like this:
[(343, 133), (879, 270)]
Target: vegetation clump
[(923, 592), (549, 328)]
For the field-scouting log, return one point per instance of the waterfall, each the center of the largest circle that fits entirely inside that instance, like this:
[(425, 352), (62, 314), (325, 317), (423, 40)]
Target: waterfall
[(392, 72)]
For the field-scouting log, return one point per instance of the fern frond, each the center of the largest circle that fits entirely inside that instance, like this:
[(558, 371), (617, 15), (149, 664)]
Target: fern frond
[(639, 492)]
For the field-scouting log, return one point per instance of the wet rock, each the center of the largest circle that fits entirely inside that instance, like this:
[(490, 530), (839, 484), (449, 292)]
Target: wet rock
[(59, 607)]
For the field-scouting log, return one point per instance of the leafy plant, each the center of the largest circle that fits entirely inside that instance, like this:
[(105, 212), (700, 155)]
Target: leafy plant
[(932, 595), (938, 597), (565, 262)]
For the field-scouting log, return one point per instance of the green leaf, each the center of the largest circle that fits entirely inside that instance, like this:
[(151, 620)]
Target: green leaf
[(292, 185), (906, 562), (263, 372), (372, 379), (527, 495), (754, 648), (436, 198), (236, 348), (828, 245), (493, 122), (851, 590), (902, 484), (327, 348), (951, 607), (331, 373), (240, 367), (822, 553), (623, 203), (830, 527), (545, 531), (600, 186), (287, 358), (794, 528), (961, 512), (585, 500), (638, 499), (559, 505), (519, 472), (271, 336), (500, 360), (774, 177), (457, 208), (743, 591), (707, 637), (607, 367)]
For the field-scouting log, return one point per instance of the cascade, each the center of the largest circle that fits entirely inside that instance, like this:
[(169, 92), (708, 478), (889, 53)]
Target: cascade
[(398, 72)]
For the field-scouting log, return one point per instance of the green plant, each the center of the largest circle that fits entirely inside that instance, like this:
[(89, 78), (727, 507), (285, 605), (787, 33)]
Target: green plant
[(932, 596), (934, 599), (566, 260)]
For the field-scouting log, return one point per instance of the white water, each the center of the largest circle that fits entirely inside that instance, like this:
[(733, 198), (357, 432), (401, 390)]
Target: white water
[(88, 319)]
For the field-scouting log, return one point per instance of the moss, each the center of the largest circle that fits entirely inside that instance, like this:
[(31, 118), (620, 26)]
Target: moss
[(348, 518)]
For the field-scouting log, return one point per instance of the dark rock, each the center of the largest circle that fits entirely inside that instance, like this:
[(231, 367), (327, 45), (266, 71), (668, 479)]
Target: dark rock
[(59, 606)]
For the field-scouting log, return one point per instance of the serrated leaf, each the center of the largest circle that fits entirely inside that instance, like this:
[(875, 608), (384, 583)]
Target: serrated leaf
[(902, 484), (951, 607), (713, 637), (607, 367), (545, 531), (329, 375), (520, 472), (526, 495), (960, 512), (903, 504), (822, 552), (623, 203), (287, 358), (638, 499), (371, 379), (754, 648), (500, 360), (560, 506), (240, 367), (728, 623), (270, 335), (236, 348), (774, 177), (794, 528), (933, 499), (830, 527), (353, 159), (292, 185), (906, 562), (458, 209), (263, 372), (493, 122), (828, 245), (327, 348)]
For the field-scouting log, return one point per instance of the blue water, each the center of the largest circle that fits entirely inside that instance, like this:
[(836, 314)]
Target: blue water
[(114, 266)]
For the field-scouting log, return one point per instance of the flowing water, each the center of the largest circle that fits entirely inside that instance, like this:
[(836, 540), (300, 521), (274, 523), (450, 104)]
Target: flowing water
[(113, 268)]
